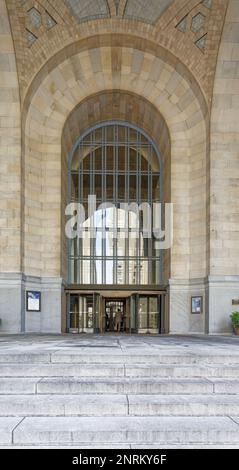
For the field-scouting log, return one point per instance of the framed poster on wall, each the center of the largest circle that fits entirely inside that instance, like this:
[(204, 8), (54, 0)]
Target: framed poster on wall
[(197, 304), (33, 301)]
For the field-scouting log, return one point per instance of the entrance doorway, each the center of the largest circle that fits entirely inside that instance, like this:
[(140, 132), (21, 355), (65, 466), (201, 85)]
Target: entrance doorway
[(115, 316), (139, 313)]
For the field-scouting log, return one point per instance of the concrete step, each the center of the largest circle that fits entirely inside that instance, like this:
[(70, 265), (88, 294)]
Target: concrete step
[(114, 446), (70, 385), (65, 385), (7, 426), (119, 358), (183, 405), (71, 370), (26, 358), (118, 370), (17, 386), (118, 405), (127, 430), (155, 359), (64, 405), (182, 370)]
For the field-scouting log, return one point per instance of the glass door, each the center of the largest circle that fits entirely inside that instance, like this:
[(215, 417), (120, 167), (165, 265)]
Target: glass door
[(73, 314), (83, 313), (86, 314), (153, 315), (133, 314), (149, 314), (97, 316), (143, 315)]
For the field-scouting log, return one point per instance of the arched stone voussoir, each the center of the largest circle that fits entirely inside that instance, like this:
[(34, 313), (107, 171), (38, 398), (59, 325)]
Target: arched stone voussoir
[(137, 68)]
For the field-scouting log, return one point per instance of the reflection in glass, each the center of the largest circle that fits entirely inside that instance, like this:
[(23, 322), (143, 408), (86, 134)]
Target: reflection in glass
[(143, 314), (153, 314)]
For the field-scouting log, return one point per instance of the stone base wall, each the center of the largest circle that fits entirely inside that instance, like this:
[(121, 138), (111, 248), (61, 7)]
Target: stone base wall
[(221, 292), (182, 321), (11, 303), (13, 314)]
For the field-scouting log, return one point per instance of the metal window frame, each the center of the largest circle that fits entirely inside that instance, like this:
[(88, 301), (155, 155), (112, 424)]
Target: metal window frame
[(79, 144)]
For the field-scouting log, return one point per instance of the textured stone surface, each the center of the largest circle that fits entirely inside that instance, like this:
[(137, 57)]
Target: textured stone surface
[(10, 153), (80, 409), (7, 426), (128, 430)]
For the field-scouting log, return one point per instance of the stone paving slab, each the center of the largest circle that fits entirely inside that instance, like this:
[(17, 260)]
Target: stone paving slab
[(174, 343)]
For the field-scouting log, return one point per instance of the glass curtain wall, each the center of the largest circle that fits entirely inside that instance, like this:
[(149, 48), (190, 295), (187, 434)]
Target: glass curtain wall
[(118, 165)]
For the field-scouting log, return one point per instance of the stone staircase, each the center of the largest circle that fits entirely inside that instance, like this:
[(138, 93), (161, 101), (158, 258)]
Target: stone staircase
[(119, 400)]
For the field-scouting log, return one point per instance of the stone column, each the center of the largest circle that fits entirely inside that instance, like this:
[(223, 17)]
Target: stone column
[(11, 296), (223, 282)]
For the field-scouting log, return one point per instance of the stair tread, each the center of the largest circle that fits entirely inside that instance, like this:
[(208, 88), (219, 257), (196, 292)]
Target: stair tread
[(142, 430)]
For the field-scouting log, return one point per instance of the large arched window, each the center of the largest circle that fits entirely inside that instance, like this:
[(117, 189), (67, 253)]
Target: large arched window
[(118, 164)]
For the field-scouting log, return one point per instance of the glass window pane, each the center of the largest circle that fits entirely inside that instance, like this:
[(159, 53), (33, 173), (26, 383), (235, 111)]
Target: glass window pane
[(85, 269), (153, 314), (144, 187), (120, 267), (74, 312), (143, 313), (98, 242), (133, 188), (133, 277), (156, 271), (110, 158), (109, 271), (110, 187), (85, 244), (143, 263), (156, 188), (144, 160), (109, 244), (98, 159), (133, 220), (121, 246), (121, 158), (86, 313), (86, 158), (132, 160), (98, 187), (98, 266), (121, 187), (133, 244)]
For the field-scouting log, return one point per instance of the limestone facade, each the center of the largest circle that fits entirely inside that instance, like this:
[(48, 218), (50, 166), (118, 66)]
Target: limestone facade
[(173, 73)]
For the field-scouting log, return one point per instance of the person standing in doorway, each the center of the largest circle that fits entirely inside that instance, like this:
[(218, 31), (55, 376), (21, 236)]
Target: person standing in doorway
[(118, 321)]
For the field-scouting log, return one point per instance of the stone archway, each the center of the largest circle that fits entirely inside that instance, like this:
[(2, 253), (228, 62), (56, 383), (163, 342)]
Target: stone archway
[(122, 106), (134, 67)]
